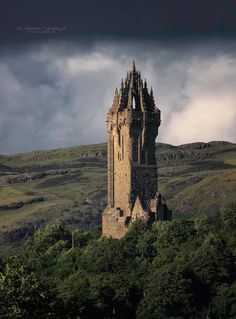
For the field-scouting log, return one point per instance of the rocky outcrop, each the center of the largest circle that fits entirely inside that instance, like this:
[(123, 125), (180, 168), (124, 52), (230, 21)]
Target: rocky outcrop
[(195, 146), (22, 203), (96, 202), (92, 155), (21, 178), (22, 233), (202, 145), (169, 156)]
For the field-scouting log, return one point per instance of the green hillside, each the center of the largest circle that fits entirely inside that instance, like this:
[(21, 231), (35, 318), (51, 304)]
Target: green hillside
[(69, 185)]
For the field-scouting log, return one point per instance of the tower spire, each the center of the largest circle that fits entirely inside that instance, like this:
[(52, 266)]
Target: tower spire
[(115, 103), (133, 88), (122, 85), (145, 84), (151, 92)]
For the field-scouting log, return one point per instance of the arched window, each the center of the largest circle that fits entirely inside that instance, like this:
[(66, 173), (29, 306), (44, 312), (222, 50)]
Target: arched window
[(134, 103)]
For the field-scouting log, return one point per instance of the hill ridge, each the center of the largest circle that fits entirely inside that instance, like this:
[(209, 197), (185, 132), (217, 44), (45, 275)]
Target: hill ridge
[(195, 178), (220, 142)]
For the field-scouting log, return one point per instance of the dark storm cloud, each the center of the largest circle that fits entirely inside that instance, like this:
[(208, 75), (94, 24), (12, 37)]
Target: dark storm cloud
[(56, 94), (116, 18)]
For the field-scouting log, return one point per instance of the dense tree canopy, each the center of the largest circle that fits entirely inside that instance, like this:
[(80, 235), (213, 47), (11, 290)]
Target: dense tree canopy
[(174, 269)]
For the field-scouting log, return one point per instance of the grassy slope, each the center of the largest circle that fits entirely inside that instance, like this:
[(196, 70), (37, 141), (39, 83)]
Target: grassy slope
[(195, 179)]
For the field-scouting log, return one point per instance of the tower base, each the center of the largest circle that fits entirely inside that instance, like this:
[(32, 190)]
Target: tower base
[(115, 223)]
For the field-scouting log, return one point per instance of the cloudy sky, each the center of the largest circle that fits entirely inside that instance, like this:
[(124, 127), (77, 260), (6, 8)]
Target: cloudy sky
[(56, 87)]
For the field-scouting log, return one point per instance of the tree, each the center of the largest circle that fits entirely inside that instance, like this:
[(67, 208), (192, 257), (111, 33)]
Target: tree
[(224, 303), (168, 294), (25, 295)]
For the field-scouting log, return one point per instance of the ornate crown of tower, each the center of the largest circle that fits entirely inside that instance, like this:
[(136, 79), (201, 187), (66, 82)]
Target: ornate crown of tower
[(132, 127)]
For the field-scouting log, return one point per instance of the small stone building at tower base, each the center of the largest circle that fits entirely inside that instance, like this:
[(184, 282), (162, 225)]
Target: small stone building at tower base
[(114, 225), (132, 127)]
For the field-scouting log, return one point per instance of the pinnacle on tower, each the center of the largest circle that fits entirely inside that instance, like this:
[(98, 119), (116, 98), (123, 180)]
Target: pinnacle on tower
[(145, 84), (122, 85), (115, 103), (151, 92), (134, 69)]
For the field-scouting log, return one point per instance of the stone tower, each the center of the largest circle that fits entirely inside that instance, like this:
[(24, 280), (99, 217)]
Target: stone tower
[(132, 127)]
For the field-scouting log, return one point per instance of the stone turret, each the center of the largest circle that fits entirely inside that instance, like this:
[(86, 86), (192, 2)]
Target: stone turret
[(132, 127)]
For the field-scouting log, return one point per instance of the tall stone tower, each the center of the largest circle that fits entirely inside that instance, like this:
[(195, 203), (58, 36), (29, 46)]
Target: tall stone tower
[(132, 127)]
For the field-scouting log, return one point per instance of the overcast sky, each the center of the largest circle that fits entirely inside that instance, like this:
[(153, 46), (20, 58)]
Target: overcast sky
[(55, 92)]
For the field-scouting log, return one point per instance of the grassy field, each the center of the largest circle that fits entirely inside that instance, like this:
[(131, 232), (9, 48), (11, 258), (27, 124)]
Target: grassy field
[(69, 185)]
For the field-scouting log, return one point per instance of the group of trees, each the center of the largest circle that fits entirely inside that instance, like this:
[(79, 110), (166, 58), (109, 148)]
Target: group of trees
[(174, 269)]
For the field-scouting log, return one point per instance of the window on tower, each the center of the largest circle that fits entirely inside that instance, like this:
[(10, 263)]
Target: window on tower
[(134, 104)]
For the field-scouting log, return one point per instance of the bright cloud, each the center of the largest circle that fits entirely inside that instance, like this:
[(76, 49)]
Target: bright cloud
[(57, 95)]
